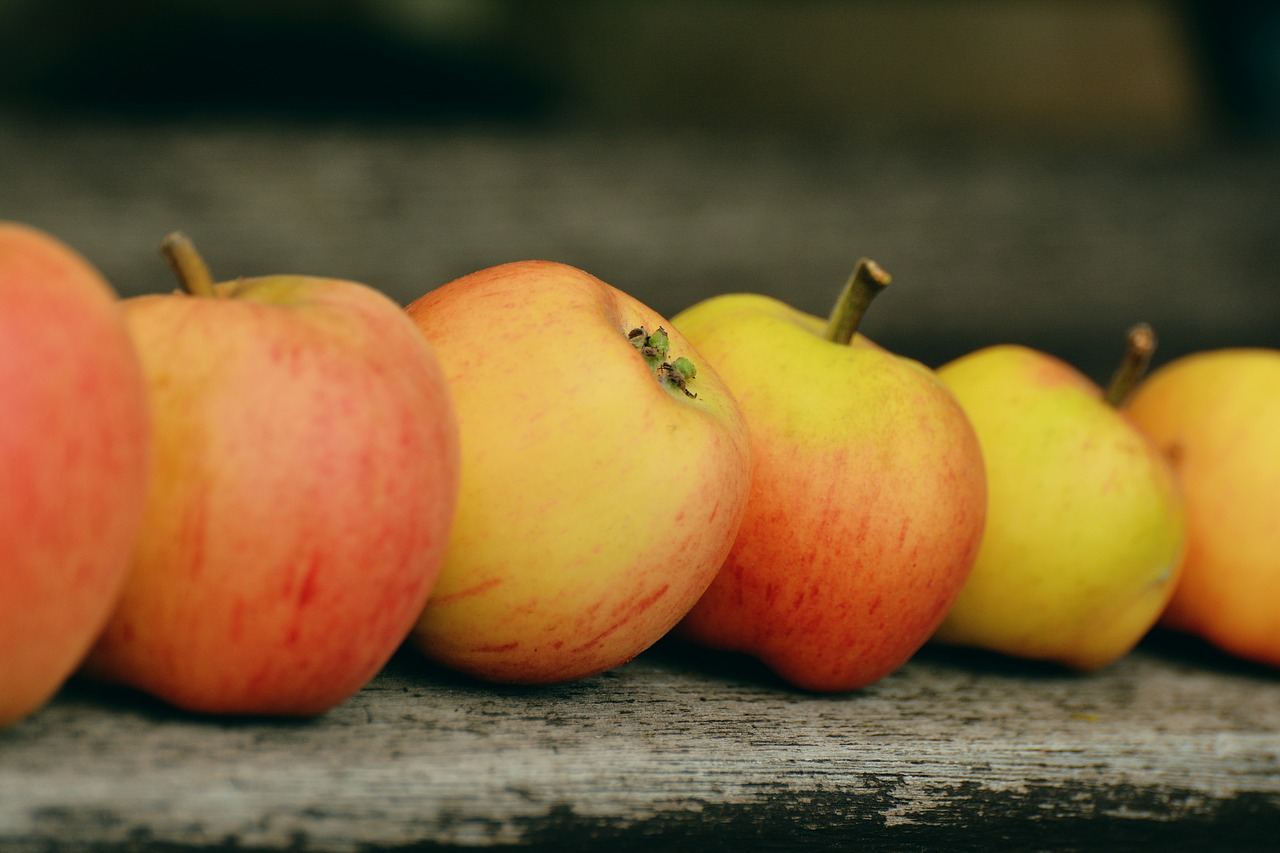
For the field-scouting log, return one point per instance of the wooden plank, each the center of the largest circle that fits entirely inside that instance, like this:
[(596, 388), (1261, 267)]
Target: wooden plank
[(1171, 747), (673, 748)]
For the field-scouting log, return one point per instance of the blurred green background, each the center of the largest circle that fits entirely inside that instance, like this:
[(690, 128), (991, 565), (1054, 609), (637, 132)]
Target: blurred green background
[(1043, 172)]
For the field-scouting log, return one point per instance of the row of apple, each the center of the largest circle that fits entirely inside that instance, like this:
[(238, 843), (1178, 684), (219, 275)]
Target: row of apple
[(244, 497)]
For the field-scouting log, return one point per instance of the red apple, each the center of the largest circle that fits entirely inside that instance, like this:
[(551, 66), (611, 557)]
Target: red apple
[(867, 501), (305, 480), (74, 451), (604, 472)]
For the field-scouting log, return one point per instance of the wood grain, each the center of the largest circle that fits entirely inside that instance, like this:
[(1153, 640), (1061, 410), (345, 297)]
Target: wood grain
[(1172, 745)]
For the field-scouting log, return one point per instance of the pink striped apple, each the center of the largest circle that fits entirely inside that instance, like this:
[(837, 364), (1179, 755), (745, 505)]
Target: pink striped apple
[(868, 498), (74, 455), (305, 480)]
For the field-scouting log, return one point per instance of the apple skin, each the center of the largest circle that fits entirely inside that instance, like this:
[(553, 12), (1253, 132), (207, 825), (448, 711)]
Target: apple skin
[(1216, 416), (1085, 526), (75, 449), (596, 503), (305, 478), (866, 506)]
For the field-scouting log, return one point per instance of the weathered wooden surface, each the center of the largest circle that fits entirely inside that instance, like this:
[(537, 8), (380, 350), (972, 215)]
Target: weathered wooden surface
[(1172, 746), (1059, 249)]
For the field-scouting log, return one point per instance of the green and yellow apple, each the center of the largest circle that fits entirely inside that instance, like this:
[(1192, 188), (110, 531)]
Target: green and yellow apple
[(74, 450), (604, 472), (867, 497), (1085, 526), (1216, 416), (305, 477)]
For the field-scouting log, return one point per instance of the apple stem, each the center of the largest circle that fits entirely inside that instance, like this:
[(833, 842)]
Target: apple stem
[(187, 264), (1140, 345), (867, 281)]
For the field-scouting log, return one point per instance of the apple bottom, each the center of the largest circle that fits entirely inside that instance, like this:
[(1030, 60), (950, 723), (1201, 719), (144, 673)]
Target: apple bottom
[(558, 611), (864, 594)]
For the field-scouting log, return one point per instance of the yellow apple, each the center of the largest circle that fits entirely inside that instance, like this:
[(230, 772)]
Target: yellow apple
[(1216, 416), (867, 498), (305, 476), (1085, 527), (74, 451), (602, 481)]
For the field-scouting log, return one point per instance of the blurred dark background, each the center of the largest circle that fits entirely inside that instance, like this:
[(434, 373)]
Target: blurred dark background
[(1045, 172)]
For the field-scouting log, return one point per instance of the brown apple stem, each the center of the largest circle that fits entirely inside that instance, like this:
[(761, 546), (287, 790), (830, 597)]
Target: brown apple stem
[(1141, 344), (187, 264), (867, 281)]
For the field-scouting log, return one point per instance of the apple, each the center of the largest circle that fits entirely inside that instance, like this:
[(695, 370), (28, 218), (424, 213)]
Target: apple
[(605, 468), (1216, 417), (74, 455), (305, 477), (1085, 525), (867, 498)]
